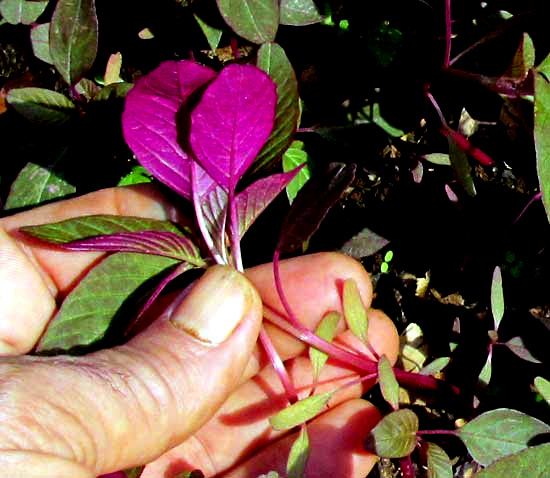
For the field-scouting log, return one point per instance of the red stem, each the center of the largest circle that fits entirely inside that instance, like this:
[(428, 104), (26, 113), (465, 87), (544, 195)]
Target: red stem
[(448, 34)]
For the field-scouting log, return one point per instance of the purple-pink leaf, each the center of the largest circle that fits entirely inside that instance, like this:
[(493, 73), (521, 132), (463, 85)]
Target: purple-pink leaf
[(149, 120), (160, 243), (255, 198), (232, 121)]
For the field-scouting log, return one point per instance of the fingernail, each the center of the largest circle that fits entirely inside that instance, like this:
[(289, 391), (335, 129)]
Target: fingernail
[(215, 305)]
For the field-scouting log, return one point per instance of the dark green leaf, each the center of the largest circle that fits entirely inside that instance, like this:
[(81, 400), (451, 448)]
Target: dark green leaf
[(87, 88), (543, 387), (298, 455), (295, 156), (73, 38), (498, 433), (354, 310), (517, 346), (89, 310), (532, 462), (41, 106), (36, 184), (22, 11), (312, 204), (299, 12), (394, 436), (461, 166), (273, 60), (40, 39), (439, 464), (300, 412), (88, 226), (542, 130), (114, 90), (388, 383), (255, 20), (497, 297), (326, 330)]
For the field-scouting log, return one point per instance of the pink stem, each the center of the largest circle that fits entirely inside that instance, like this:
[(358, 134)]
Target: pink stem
[(448, 34)]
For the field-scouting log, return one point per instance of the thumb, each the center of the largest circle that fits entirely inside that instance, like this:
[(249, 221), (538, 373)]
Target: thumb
[(125, 406)]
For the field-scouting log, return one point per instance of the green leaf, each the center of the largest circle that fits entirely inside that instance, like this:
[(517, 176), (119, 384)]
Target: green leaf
[(441, 159), (439, 464), (542, 130), (36, 184), (112, 71), (485, 375), (543, 387), (273, 60), (299, 12), (114, 90), (22, 11), (378, 120), (354, 310), (461, 166), (96, 303), (213, 35), (42, 106), (517, 346), (87, 88), (134, 472), (435, 366), (326, 330), (498, 433), (394, 436), (528, 49), (298, 455), (73, 38), (40, 39), (96, 225), (255, 20), (295, 156), (137, 175), (388, 383), (497, 297), (300, 412), (531, 462)]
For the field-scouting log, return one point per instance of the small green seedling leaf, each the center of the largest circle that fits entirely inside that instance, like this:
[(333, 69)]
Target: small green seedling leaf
[(388, 383), (394, 436), (498, 433), (255, 20), (531, 462), (89, 310), (441, 159), (137, 175), (22, 11), (435, 366), (517, 346), (298, 455), (354, 310), (439, 464), (299, 12), (542, 129), (112, 71), (326, 330), (87, 226), (293, 157), (497, 297), (213, 35), (300, 412), (73, 38), (36, 184), (40, 40), (273, 60), (486, 372), (543, 387), (42, 106)]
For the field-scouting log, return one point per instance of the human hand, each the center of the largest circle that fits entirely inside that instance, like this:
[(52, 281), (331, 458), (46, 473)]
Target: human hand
[(82, 416)]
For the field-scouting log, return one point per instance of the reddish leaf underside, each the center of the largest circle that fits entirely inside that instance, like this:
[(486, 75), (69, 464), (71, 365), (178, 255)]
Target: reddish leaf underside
[(149, 120)]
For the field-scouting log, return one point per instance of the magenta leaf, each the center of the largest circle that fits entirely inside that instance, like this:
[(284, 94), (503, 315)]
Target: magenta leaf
[(149, 120), (255, 198), (160, 243), (232, 121)]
